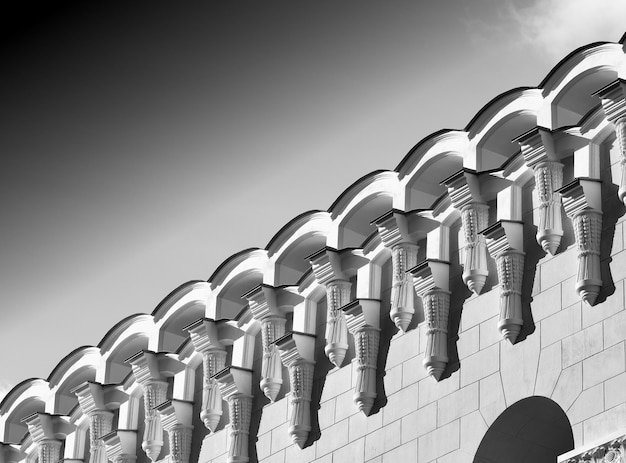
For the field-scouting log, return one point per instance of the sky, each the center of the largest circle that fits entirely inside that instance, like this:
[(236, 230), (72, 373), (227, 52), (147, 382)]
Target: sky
[(144, 142)]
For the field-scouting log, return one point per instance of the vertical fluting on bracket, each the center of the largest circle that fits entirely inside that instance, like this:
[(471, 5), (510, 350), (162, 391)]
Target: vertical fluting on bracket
[(613, 98), (297, 354), (363, 318), (582, 202), (269, 306), (120, 446), (538, 150), (48, 432), (333, 269), (210, 338), (97, 402), (151, 371), (176, 416), (235, 385), (432, 284), (505, 240)]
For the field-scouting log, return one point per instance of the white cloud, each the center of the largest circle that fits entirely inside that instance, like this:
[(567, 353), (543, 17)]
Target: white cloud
[(558, 27)]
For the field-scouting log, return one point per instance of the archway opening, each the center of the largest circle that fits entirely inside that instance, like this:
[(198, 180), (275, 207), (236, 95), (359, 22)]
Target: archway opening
[(533, 430)]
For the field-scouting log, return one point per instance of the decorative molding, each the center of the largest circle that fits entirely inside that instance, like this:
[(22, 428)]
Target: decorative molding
[(236, 387), (333, 269), (297, 352), (505, 241), (363, 318), (120, 446), (582, 203), (269, 306), (613, 98), (176, 416), (210, 338), (611, 451), (431, 279), (151, 371), (48, 432), (97, 402)]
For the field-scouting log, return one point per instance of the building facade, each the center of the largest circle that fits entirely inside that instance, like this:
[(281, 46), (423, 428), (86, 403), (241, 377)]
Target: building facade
[(466, 306)]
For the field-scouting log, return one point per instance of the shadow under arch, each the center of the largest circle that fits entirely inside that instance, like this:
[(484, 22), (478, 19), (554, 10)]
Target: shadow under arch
[(533, 430)]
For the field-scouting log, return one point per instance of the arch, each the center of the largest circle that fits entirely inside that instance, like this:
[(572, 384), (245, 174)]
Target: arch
[(533, 430), (28, 397)]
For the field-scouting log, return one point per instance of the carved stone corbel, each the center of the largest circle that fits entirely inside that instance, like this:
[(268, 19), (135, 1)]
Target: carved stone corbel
[(120, 446), (614, 105), (269, 306), (399, 231), (151, 371), (48, 432), (432, 283), (583, 205), (210, 338), (333, 269), (538, 149), (97, 401), (505, 241), (363, 318), (236, 387), (176, 417), (297, 354)]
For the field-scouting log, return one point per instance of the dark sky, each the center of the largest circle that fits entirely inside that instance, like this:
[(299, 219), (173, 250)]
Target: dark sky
[(145, 142)]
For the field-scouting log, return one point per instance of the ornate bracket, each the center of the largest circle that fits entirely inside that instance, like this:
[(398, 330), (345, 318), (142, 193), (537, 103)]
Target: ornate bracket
[(432, 283), (612, 451), (333, 269), (97, 402), (48, 432), (176, 419), (210, 338), (236, 387), (538, 149), (399, 232), (297, 353), (363, 317), (614, 104), (583, 205), (120, 446), (151, 370), (269, 306), (505, 241)]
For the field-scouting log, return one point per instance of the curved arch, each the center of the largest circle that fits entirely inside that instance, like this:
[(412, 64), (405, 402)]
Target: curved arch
[(533, 430), (194, 289), (28, 397)]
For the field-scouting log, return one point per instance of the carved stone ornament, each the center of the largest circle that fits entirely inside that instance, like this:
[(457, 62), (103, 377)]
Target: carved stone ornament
[(432, 284), (363, 317), (97, 402), (332, 269), (269, 306), (539, 154), (210, 338), (120, 446), (505, 241), (151, 370), (48, 432), (236, 387), (297, 354), (614, 105), (582, 202), (176, 416), (612, 451)]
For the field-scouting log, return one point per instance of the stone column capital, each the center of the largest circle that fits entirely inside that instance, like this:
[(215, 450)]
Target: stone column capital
[(120, 445), (149, 366), (396, 226), (329, 264), (207, 334), (94, 396), (613, 98), (267, 301)]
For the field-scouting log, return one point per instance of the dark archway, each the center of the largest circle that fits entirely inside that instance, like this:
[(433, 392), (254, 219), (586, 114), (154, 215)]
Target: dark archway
[(533, 430)]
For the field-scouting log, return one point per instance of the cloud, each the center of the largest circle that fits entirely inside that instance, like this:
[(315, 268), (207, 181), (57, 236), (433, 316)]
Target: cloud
[(558, 27)]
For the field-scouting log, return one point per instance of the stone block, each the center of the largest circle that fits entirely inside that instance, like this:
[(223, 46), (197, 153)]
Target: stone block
[(546, 303), (555, 269), (419, 422), (345, 406), (295, 453), (264, 445), (478, 309), (549, 369), (382, 440), (339, 380), (480, 365), (393, 379), (600, 367), (581, 345), (280, 437), (412, 371), (518, 366), (352, 453), (597, 427), (618, 266), (492, 402), (326, 414), (569, 386), (406, 452), (403, 346), (615, 391), (458, 456), (457, 404), (325, 459), (568, 297), (469, 342), (589, 403), (276, 458), (489, 333), (431, 390), (360, 425), (618, 239), (400, 404), (332, 438), (437, 443), (615, 329), (473, 429), (273, 414), (613, 304), (577, 432), (213, 444), (561, 324)]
